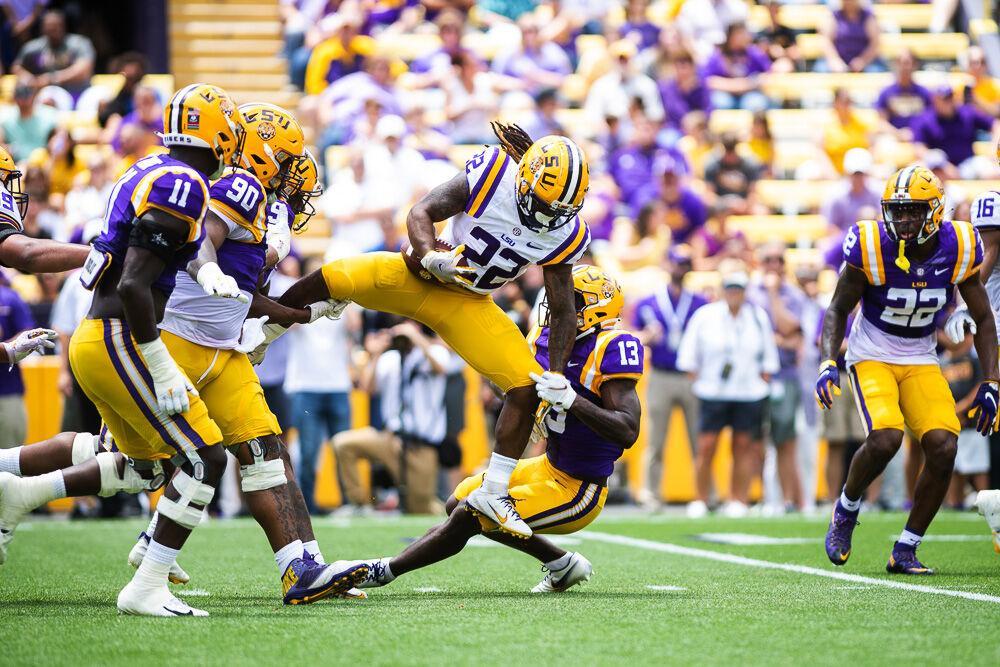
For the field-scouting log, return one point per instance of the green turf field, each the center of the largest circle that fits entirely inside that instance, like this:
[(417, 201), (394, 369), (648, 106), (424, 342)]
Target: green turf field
[(643, 606)]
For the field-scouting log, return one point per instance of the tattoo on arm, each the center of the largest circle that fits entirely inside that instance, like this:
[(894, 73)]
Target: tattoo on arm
[(562, 314), (617, 418), (985, 338), (443, 202), (850, 287)]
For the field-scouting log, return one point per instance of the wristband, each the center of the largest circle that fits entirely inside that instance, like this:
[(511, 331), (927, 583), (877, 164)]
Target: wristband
[(157, 357)]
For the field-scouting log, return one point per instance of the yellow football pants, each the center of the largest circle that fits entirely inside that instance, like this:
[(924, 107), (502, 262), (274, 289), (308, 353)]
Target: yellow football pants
[(897, 395), (471, 324), (549, 500)]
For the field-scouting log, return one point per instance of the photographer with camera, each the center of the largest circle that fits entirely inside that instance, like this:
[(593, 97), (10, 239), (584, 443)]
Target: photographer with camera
[(729, 350)]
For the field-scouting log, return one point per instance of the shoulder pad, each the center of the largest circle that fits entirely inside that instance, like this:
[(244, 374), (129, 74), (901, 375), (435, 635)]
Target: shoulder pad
[(617, 355), (484, 171), (573, 245), (179, 191), (863, 250), (240, 198), (968, 249)]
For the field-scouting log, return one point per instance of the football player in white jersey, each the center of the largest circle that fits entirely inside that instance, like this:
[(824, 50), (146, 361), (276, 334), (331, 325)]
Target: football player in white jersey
[(515, 205), (21, 252)]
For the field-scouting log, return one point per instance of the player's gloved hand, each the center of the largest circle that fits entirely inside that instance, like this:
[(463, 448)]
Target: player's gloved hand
[(29, 341), (444, 265), (169, 382), (216, 283), (271, 333), (555, 389), (331, 308), (959, 322), (252, 335), (984, 406), (828, 384)]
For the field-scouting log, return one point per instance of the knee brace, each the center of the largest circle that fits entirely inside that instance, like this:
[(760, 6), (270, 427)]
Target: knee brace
[(130, 481), (85, 447), (260, 475), (182, 511)]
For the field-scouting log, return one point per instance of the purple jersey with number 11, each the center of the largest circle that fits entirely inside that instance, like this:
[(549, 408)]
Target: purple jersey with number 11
[(899, 307), (156, 182), (596, 358)]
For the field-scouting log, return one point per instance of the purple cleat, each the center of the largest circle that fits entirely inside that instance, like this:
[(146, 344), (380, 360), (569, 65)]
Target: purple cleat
[(310, 581), (904, 561), (838, 535)]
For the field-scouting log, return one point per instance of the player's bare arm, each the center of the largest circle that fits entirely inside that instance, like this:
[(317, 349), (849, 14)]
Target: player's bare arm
[(617, 417), (156, 237), (215, 235), (445, 201), (978, 302), (562, 314), (30, 255), (847, 295), (277, 313), (991, 248)]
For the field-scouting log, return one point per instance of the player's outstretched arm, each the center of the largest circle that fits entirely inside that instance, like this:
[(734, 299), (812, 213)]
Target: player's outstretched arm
[(276, 313), (617, 418), (978, 302), (850, 286), (562, 314), (30, 255), (445, 201)]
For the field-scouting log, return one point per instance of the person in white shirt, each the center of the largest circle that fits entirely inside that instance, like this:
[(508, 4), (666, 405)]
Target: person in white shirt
[(729, 350), (612, 94), (704, 23)]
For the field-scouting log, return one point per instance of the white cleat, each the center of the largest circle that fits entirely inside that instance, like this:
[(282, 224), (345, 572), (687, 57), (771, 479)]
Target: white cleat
[(500, 510), (157, 602), (177, 575), (734, 509), (577, 571), (697, 509), (988, 506), (375, 578), (13, 507)]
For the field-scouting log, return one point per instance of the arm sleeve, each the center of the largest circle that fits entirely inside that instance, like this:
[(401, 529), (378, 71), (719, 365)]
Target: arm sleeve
[(177, 191), (239, 199)]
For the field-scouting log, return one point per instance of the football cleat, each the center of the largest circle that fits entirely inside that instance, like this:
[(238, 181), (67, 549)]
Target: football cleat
[(136, 601), (13, 507), (838, 535), (988, 505), (376, 575), (903, 560), (696, 509), (577, 571), (177, 575), (500, 510), (309, 582)]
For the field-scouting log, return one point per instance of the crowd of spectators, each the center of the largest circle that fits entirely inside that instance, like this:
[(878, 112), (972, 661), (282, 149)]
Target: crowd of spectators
[(678, 111)]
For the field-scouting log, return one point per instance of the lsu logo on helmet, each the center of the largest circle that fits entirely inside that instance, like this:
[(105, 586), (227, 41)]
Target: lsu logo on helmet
[(301, 185), (10, 178), (204, 116), (598, 299), (911, 193), (274, 143), (552, 180)]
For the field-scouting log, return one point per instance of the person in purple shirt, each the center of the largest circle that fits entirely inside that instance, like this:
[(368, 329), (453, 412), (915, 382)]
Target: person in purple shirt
[(857, 194), (15, 317), (660, 319), (540, 64), (784, 304), (685, 210), (632, 165), (732, 72), (685, 92), (637, 27), (437, 63), (950, 126), (851, 40), (904, 100)]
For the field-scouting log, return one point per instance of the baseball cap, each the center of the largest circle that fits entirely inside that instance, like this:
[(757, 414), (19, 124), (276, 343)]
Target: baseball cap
[(738, 279), (390, 126), (857, 161)]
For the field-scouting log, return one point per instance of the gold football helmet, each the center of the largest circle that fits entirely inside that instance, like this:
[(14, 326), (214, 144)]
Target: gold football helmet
[(204, 116), (552, 179), (598, 298), (301, 185), (10, 178), (274, 142), (912, 205)]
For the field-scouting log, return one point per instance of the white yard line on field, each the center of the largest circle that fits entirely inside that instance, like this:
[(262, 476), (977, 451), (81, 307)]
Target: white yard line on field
[(678, 550)]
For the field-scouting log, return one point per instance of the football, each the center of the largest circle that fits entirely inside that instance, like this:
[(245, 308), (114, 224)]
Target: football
[(413, 264)]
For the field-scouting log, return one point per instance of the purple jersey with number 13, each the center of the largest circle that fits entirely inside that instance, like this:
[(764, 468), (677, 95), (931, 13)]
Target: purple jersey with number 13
[(156, 182), (899, 307), (596, 358)]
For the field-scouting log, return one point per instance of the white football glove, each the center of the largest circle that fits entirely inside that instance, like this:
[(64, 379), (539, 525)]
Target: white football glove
[(957, 324), (216, 283), (29, 341), (555, 389), (253, 334), (445, 265), (271, 333), (169, 382), (331, 308)]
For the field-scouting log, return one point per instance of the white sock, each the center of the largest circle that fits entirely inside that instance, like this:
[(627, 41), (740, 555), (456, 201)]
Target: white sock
[(151, 528), (161, 554), (910, 538), (43, 488), (848, 504), (10, 460), (387, 575), (312, 548), (559, 563), (151, 575), (286, 554), (498, 473)]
